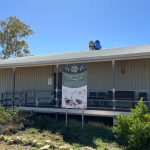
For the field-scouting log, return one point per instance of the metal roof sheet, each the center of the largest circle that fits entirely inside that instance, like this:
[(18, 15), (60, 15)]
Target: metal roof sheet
[(82, 56)]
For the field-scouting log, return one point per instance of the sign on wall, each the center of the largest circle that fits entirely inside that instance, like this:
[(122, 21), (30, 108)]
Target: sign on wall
[(74, 86), (49, 81)]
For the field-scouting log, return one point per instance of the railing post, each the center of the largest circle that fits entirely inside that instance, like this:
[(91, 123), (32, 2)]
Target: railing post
[(113, 84), (36, 102)]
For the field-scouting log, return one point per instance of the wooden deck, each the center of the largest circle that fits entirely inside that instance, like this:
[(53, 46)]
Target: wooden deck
[(86, 112)]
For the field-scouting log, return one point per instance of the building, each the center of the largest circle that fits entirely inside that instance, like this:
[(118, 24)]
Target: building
[(117, 78)]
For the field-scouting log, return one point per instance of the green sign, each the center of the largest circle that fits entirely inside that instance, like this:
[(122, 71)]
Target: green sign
[(75, 80), (75, 75)]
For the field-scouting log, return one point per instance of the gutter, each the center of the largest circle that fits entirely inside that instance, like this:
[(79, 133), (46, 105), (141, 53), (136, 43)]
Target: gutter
[(78, 60)]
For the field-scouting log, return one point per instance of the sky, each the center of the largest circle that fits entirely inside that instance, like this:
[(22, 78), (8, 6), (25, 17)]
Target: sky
[(68, 25)]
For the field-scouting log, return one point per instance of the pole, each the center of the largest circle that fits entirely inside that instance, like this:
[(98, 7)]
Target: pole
[(114, 118), (113, 84), (13, 87), (36, 102), (57, 71), (82, 118), (66, 116)]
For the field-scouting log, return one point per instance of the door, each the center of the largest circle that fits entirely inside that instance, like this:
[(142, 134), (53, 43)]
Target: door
[(59, 86)]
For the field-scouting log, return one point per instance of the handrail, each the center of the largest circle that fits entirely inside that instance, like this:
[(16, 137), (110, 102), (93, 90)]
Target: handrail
[(46, 99)]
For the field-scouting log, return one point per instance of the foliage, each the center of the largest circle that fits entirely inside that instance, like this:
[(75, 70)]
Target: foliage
[(12, 32), (7, 114), (73, 133), (1, 130), (44, 129), (33, 130), (134, 129), (11, 120)]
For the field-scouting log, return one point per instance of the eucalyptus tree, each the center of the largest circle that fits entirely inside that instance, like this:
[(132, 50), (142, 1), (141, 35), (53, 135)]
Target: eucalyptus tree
[(13, 33)]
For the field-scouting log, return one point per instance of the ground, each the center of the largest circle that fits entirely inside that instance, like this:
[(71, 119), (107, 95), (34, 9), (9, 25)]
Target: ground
[(19, 131), (33, 140), (74, 139)]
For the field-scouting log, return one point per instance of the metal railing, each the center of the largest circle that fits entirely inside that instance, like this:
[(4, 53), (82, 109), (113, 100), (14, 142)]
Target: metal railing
[(45, 98)]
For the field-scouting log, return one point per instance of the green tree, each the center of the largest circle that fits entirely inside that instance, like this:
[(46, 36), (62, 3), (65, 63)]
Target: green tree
[(134, 130), (12, 34)]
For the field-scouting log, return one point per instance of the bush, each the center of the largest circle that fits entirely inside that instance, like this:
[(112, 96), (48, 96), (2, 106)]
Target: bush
[(11, 120), (1, 130), (134, 130), (33, 130), (7, 114), (42, 122)]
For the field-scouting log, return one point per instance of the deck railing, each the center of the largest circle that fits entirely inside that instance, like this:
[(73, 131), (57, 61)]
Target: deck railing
[(45, 98)]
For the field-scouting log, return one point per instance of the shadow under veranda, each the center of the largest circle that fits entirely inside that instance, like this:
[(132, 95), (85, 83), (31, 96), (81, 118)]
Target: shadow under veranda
[(73, 132)]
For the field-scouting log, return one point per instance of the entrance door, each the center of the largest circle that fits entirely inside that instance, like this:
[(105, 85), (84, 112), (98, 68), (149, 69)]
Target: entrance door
[(59, 87)]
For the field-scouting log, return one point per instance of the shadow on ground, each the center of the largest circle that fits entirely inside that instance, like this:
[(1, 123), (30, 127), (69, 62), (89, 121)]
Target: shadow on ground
[(73, 132)]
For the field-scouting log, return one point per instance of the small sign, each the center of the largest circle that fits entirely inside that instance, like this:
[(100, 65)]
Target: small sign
[(49, 81)]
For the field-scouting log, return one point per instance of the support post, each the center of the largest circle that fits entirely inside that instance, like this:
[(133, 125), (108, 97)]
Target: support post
[(13, 86), (66, 116), (56, 100), (113, 84), (114, 118), (82, 118), (36, 102)]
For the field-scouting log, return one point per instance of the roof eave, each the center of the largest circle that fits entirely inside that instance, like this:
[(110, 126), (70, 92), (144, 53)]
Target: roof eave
[(78, 60)]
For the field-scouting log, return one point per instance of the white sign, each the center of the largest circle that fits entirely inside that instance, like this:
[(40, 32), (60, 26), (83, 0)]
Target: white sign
[(74, 97), (49, 81), (74, 87)]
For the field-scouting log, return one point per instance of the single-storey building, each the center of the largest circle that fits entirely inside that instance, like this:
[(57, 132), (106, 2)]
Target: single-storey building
[(116, 79)]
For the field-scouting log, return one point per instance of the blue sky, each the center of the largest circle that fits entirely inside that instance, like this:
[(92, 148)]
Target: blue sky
[(68, 25)]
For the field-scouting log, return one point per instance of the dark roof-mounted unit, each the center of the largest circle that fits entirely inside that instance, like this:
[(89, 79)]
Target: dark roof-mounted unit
[(95, 45)]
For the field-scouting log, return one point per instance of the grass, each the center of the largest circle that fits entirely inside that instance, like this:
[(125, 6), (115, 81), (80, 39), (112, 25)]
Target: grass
[(40, 130), (57, 141)]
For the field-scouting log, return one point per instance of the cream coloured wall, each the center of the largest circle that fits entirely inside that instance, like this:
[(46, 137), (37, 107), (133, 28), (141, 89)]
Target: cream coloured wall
[(130, 75)]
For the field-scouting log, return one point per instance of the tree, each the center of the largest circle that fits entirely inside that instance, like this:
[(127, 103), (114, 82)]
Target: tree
[(12, 34), (134, 130)]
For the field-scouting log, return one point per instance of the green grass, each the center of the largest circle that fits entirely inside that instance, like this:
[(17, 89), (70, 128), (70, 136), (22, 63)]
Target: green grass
[(57, 141)]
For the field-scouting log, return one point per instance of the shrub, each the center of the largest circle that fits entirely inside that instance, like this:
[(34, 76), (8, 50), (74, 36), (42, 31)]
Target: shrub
[(33, 130), (134, 129), (42, 122), (11, 120), (7, 114), (1, 130), (121, 129)]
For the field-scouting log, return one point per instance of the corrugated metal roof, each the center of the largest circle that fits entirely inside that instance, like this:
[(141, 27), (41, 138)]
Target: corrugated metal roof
[(82, 56)]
